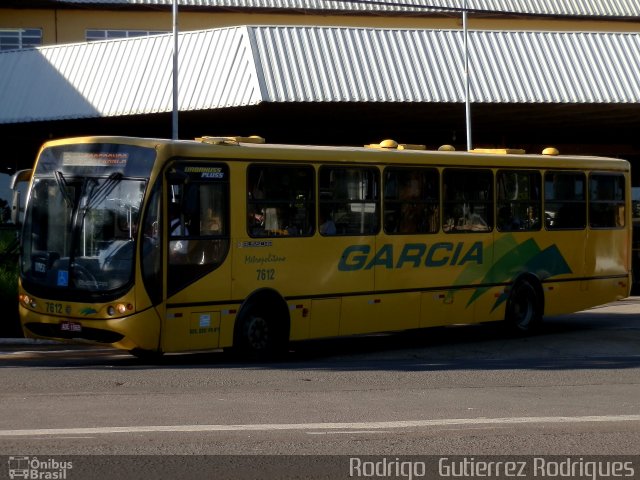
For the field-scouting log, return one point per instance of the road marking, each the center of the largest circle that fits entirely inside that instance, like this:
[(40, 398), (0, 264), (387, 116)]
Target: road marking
[(348, 432), (319, 426)]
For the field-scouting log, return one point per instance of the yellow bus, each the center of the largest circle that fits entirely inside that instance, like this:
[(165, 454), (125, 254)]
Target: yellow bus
[(158, 246)]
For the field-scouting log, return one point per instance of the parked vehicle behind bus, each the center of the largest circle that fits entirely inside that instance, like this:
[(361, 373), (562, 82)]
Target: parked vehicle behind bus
[(635, 262)]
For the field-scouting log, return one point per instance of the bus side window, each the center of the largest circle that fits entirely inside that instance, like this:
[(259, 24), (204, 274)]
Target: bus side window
[(565, 201), (468, 200), (280, 200), (411, 200), (349, 196), (519, 202), (606, 201)]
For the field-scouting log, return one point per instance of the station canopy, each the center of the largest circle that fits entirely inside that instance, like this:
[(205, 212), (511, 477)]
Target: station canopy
[(246, 66)]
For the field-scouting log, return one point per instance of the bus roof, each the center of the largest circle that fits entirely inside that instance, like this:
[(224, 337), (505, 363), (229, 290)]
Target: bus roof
[(387, 152)]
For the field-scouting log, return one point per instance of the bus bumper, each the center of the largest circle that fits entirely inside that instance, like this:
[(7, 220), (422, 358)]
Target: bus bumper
[(138, 331)]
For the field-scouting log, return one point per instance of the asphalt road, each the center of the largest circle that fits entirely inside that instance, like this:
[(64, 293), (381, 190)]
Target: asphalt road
[(571, 390)]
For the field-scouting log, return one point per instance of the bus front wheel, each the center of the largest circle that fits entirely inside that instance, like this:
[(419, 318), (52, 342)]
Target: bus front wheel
[(259, 337), (524, 314)]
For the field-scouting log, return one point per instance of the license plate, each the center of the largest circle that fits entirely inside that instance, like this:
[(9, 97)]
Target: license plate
[(70, 327)]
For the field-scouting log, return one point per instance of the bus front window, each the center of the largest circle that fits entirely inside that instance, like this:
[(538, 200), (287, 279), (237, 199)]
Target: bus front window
[(80, 232)]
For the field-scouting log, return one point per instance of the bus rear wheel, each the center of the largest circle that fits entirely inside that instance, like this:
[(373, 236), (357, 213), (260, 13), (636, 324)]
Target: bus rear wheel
[(523, 308)]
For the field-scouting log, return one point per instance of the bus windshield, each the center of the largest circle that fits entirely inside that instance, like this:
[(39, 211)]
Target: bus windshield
[(82, 218)]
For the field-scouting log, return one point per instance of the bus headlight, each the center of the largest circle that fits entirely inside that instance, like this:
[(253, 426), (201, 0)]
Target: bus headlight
[(119, 308), (27, 301)]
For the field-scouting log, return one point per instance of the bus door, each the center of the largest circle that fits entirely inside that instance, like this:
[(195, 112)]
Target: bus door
[(565, 218), (607, 246), (197, 243)]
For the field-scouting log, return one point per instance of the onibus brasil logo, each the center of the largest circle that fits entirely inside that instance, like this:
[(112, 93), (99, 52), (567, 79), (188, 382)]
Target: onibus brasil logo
[(38, 469)]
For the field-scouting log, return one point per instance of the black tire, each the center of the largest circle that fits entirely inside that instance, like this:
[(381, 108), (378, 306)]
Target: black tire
[(260, 336), (524, 312)]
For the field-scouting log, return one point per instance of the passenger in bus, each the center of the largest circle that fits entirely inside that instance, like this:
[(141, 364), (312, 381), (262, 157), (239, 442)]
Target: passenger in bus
[(327, 227), (507, 221), (410, 217), (472, 220), (211, 224), (410, 210), (256, 218)]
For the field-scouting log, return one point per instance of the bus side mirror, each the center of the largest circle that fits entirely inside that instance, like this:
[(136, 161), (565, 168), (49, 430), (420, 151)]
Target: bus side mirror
[(17, 180), (15, 208)]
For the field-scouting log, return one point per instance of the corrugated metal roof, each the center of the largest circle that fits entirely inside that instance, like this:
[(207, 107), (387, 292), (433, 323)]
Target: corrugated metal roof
[(127, 77), (233, 67), (376, 65), (605, 8)]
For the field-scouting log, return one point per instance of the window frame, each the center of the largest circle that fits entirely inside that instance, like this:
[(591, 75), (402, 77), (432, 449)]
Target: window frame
[(529, 223), (408, 207), (21, 35), (264, 211), (342, 206), (454, 215), (617, 203), (569, 204), (102, 34)]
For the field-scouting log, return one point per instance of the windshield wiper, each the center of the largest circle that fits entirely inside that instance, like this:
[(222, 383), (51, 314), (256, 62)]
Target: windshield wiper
[(85, 197), (93, 197), (62, 185), (105, 189)]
